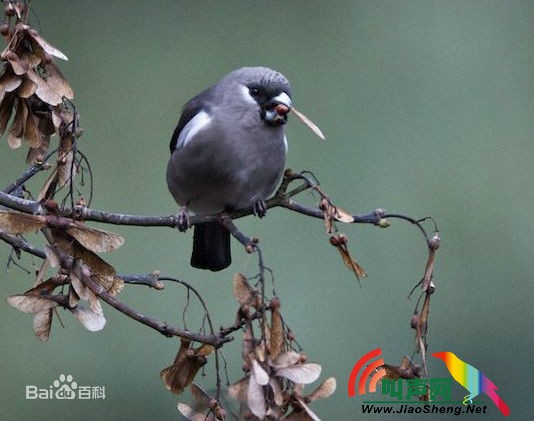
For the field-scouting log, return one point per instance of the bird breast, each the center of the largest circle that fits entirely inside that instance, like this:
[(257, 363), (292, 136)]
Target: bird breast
[(227, 167)]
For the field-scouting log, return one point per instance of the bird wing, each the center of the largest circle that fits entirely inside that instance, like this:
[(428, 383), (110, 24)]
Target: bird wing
[(192, 109)]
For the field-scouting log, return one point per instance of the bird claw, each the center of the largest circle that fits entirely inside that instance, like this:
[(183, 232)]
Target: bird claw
[(182, 219), (260, 208)]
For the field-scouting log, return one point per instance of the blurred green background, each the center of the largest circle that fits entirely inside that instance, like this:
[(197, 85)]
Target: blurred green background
[(428, 108)]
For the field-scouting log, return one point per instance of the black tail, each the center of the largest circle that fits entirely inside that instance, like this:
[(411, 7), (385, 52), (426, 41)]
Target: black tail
[(211, 247)]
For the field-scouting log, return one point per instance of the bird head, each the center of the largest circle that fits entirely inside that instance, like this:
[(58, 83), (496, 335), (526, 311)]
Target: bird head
[(440, 355), (265, 89), (446, 356)]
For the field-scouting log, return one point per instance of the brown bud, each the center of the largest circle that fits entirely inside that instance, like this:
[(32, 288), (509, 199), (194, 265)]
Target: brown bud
[(9, 10), (220, 413), (4, 29), (433, 243), (290, 336), (303, 358), (275, 303), (383, 223), (51, 206), (338, 240), (258, 303), (244, 312), (158, 285), (380, 211)]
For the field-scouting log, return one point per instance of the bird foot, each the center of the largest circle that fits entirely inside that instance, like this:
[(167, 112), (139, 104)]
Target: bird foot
[(260, 208), (467, 400), (182, 219)]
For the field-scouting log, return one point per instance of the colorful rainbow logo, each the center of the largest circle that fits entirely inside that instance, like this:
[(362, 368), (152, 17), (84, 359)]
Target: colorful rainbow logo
[(366, 373), (472, 379)]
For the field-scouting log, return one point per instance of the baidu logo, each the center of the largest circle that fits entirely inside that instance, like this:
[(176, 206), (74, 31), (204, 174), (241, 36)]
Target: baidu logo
[(65, 388)]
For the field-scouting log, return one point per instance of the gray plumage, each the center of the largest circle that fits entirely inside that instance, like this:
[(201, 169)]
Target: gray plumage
[(228, 152)]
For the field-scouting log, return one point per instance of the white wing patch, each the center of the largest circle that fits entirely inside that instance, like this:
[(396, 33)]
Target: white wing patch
[(197, 123)]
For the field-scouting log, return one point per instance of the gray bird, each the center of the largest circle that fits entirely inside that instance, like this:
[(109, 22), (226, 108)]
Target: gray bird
[(228, 152)]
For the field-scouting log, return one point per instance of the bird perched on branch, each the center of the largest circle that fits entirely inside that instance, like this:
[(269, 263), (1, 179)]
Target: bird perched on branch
[(228, 152), (472, 379)]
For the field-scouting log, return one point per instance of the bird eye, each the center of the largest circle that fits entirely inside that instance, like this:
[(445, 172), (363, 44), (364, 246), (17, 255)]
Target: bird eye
[(254, 91)]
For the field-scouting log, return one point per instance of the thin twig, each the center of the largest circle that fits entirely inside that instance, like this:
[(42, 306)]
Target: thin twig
[(29, 173)]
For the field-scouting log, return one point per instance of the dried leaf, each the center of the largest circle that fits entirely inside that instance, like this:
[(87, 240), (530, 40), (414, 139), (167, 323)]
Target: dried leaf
[(343, 216), (32, 134), (30, 304), (42, 323), (20, 223), (94, 239), (16, 131), (248, 342), (47, 190), (200, 396), (45, 45), (68, 244), (277, 391), (260, 375), (325, 390), (57, 81), (286, 359), (27, 88), (65, 168), (9, 81), (37, 154), (112, 284), (43, 269), (6, 109), (92, 319), (205, 401), (59, 177), (193, 414), (300, 373), (83, 292), (311, 125), (18, 66), (47, 287), (52, 257), (44, 91), (242, 290), (333, 212), (74, 298), (256, 397), (340, 242), (277, 333), (238, 390), (29, 58), (309, 412), (204, 350), (186, 365)]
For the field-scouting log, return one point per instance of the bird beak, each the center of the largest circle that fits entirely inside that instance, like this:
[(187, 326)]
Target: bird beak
[(275, 111)]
